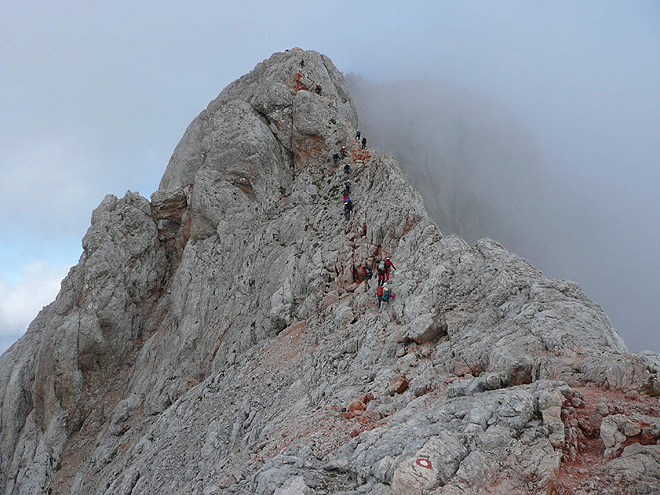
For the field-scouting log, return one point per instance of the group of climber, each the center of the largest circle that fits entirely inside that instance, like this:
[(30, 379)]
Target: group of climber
[(348, 204), (364, 139), (384, 265), (336, 157), (383, 268)]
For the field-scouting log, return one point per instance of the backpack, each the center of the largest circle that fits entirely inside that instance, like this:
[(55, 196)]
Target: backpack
[(386, 295), (381, 267), (368, 271)]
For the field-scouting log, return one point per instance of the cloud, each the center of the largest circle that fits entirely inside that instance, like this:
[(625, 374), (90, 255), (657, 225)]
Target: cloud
[(575, 204), (477, 167), (20, 302)]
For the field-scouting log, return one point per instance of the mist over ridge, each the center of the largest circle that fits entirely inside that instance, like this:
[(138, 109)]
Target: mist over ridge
[(483, 173), (475, 166)]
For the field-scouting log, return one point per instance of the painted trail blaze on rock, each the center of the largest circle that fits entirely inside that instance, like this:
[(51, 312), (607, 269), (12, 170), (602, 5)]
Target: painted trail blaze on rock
[(208, 339)]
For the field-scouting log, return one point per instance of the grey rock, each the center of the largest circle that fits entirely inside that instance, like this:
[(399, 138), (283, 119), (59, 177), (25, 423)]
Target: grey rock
[(294, 486), (617, 428), (426, 328)]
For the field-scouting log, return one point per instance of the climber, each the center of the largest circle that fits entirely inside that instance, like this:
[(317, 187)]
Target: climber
[(381, 267), (385, 296), (345, 194), (343, 151), (368, 273), (379, 294), (388, 266), (347, 168), (335, 158), (364, 143), (317, 89), (357, 135), (347, 186), (348, 207)]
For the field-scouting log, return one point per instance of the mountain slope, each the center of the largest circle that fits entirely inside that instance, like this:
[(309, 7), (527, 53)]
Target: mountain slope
[(219, 338)]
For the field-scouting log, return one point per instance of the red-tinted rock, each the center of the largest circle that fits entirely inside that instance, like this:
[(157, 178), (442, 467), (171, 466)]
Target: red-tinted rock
[(590, 425), (398, 384), (356, 404)]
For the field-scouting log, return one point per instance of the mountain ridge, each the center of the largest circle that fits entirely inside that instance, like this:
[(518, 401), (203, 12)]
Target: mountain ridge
[(218, 338)]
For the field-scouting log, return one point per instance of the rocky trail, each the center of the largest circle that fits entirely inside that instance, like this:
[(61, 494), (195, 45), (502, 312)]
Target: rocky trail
[(218, 337)]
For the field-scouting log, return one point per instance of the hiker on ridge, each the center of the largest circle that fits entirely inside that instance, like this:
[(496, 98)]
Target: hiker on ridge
[(385, 296), (368, 273), (343, 151), (357, 135), (335, 158), (388, 266), (347, 168), (381, 267), (348, 207), (364, 143)]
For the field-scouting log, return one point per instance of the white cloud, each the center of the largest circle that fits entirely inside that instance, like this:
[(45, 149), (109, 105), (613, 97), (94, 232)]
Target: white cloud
[(20, 302)]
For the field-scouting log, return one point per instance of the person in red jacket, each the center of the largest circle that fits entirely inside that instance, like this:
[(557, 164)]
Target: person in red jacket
[(388, 265), (379, 294)]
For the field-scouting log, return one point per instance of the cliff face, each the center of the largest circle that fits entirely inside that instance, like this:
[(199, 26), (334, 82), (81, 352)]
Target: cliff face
[(219, 338)]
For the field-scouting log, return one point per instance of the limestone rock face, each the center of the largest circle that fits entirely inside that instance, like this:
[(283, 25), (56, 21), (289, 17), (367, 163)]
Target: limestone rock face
[(220, 337)]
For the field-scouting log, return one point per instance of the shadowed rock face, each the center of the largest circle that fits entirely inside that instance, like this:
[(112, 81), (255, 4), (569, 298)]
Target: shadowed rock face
[(211, 340)]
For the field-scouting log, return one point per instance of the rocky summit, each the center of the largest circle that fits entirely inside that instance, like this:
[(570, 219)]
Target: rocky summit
[(221, 338)]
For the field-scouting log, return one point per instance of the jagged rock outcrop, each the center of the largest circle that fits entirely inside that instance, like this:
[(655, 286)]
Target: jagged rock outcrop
[(219, 338)]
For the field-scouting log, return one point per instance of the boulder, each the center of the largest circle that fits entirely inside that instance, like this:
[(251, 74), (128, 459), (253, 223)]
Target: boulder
[(398, 384), (426, 329), (356, 404)]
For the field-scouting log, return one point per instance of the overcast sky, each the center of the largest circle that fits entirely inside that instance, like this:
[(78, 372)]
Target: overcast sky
[(95, 96)]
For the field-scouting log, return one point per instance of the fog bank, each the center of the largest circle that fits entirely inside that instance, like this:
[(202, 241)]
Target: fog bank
[(482, 173)]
